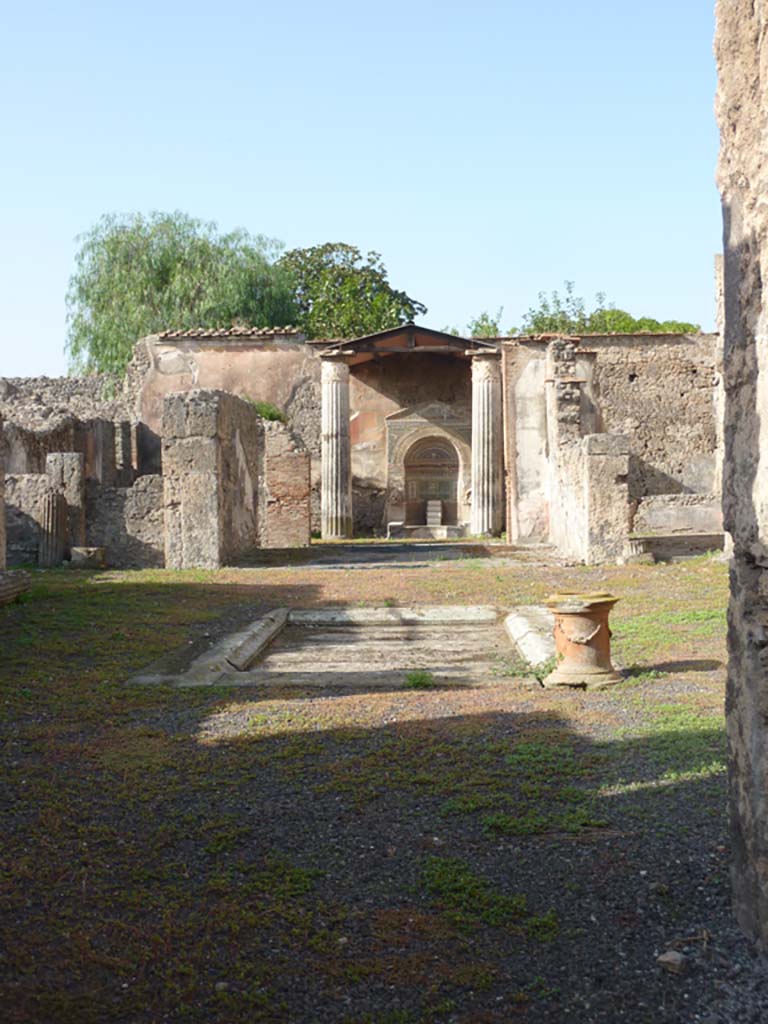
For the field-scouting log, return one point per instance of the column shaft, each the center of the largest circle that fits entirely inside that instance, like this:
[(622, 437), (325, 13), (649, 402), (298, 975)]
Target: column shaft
[(336, 453), (486, 445)]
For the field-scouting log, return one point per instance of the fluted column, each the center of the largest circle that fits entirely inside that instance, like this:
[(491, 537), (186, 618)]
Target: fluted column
[(53, 530), (336, 453), (486, 444)]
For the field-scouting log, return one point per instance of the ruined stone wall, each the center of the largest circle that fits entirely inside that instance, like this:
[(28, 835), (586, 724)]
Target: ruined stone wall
[(658, 391), (28, 448), (742, 108), (526, 441), (589, 509), (213, 452), (128, 522), (241, 476), (678, 513), (567, 519), (285, 521), (38, 403), (2, 505), (279, 369), (24, 497)]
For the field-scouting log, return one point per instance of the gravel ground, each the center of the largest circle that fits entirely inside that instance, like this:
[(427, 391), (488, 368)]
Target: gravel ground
[(451, 855)]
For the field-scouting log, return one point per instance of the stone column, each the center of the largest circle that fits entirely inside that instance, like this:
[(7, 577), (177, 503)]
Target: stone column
[(486, 444), (53, 530), (336, 466)]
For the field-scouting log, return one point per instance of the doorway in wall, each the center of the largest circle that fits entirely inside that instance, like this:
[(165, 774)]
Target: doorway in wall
[(431, 474)]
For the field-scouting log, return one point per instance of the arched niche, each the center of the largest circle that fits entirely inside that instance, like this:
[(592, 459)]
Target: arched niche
[(431, 469)]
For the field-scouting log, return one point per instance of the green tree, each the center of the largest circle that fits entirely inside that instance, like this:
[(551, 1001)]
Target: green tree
[(485, 325), (137, 275), (341, 293), (567, 314)]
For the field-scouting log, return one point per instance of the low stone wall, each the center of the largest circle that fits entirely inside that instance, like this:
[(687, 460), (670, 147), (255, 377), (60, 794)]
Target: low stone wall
[(678, 513), (128, 522)]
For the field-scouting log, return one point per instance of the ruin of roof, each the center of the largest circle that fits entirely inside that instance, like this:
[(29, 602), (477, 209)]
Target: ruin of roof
[(406, 339)]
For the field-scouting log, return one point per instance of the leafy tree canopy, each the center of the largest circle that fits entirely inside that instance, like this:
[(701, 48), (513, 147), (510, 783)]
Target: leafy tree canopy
[(485, 325), (341, 293), (137, 275), (567, 314)]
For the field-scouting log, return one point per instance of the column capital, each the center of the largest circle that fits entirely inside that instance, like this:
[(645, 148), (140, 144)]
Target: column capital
[(334, 367), (486, 365)]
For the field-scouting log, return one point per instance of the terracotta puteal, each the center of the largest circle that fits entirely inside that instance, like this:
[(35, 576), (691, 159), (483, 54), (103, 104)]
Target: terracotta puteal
[(582, 640)]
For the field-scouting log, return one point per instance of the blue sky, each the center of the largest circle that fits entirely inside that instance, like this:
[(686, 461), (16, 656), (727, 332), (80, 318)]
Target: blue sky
[(488, 151)]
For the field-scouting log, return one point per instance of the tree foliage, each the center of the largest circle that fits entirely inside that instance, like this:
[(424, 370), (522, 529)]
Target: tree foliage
[(137, 275), (341, 293), (567, 314), (485, 325)]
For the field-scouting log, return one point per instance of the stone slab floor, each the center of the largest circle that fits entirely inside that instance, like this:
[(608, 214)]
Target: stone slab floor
[(473, 854), (362, 657)]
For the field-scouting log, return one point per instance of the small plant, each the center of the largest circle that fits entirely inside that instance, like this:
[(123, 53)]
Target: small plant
[(467, 897), (544, 668), (419, 680), (268, 411)]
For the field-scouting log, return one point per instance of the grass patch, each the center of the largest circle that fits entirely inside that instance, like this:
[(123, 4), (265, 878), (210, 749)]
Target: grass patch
[(468, 899), (420, 680)]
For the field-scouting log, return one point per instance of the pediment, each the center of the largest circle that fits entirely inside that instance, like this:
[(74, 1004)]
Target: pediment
[(406, 340)]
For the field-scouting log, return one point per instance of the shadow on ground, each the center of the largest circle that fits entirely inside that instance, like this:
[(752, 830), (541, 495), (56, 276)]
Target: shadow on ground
[(392, 858)]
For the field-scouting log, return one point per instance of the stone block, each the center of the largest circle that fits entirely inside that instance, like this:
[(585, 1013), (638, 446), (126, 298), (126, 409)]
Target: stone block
[(88, 558), (606, 444), (190, 455), (191, 414)]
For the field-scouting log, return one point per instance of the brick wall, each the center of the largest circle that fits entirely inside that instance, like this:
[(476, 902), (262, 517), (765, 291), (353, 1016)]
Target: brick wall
[(286, 490)]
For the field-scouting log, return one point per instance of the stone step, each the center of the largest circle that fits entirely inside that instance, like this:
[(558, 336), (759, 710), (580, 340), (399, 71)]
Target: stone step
[(670, 547)]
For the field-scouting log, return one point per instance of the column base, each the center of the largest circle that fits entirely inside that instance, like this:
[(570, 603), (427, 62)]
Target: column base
[(337, 533), (582, 677)]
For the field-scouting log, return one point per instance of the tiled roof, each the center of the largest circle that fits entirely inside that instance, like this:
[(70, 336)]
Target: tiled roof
[(232, 332)]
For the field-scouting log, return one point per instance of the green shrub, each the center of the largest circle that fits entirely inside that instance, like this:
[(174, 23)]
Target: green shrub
[(268, 411), (419, 680)]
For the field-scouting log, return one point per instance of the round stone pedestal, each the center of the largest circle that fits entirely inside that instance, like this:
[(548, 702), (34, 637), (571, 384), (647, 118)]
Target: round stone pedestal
[(582, 641)]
